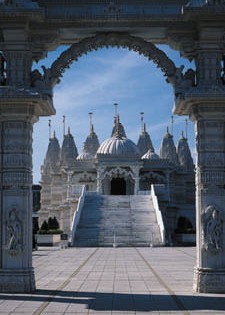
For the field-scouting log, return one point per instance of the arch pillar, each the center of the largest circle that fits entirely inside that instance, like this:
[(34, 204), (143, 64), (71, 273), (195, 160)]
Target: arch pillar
[(205, 104), (209, 274), (16, 128), (208, 114)]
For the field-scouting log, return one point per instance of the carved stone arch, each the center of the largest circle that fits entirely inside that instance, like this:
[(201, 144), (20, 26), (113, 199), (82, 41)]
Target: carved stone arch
[(123, 40), (118, 171)]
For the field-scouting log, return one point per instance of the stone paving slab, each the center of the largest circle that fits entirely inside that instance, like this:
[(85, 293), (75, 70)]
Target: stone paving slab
[(115, 281)]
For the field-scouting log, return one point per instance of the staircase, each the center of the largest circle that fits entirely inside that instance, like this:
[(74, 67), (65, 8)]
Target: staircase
[(119, 221)]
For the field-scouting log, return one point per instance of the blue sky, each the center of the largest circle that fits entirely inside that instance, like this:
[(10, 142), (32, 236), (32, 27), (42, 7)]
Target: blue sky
[(98, 80)]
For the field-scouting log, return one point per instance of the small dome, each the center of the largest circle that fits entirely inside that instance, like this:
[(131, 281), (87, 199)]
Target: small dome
[(69, 149), (184, 154), (119, 146), (168, 149), (91, 146), (144, 142), (150, 155)]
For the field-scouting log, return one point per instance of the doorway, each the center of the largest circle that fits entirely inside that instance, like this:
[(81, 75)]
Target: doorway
[(118, 186)]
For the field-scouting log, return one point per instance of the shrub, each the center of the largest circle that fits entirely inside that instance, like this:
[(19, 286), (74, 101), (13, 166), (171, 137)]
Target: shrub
[(50, 227)]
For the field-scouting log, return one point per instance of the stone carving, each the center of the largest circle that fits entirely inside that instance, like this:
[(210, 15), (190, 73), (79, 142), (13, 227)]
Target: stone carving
[(14, 232), (20, 3), (112, 8), (118, 172), (212, 177), (212, 228), (139, 45), (181, 82), (2, 69), (45, 82)]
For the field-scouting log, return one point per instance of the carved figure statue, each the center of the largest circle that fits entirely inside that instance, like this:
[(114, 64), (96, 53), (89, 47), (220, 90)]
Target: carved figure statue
[(44, 83), (213, 228), (14, 227), (181, 82), (2, 70)]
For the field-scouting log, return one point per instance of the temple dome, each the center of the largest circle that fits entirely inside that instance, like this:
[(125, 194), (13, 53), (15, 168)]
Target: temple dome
[(168, 149), (184, 154), (91, 146), (69, 150), (119, 146), (150, 155)]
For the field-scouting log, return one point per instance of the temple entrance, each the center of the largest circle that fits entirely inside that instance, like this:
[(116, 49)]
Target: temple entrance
[(118, 186)]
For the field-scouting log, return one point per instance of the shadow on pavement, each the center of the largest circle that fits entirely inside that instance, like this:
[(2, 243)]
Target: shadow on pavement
[(101, 301)]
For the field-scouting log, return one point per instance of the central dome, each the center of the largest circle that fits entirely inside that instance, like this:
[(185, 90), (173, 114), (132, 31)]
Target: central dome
[(119, 146)]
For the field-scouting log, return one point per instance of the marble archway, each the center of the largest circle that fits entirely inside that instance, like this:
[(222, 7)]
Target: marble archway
[(30, 29)]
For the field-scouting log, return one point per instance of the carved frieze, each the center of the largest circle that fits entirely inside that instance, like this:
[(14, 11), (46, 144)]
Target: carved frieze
[(51, 76), (213, 177), (17, 178)]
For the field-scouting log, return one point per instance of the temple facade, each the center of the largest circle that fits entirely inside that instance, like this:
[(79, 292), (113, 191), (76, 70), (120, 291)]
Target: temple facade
[(118, 166)]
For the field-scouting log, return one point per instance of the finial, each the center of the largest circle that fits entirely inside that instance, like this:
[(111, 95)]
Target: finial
[(116, 108), (54, 136), (182, 134), (142, 121), (117, 133), (91, 122), (64, 125), (68, 130), (167, 129), (186, 121), (49, 128), (172, 124), (144, 128)]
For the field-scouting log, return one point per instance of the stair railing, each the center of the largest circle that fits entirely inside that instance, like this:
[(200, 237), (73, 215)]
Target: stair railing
[(158, 214), (77, 214)]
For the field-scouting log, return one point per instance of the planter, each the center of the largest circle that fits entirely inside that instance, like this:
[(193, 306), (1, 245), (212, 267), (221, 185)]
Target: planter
[(48, 239)]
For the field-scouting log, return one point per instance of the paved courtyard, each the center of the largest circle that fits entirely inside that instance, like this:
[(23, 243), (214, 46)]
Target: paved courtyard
[(113, 281)]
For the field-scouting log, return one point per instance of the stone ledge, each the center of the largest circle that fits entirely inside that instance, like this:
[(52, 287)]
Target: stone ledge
[(17, 280), (209, 280)]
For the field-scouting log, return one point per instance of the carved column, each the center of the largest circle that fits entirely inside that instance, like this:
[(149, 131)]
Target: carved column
[(19, 63), (205, 104), (16, 272), (210, 197)]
